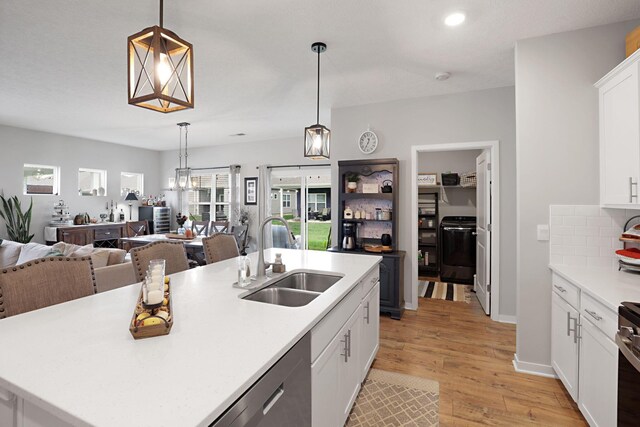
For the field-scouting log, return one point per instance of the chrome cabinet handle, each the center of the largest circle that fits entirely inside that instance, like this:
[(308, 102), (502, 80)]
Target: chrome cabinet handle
[(574, 329), (366, 317), (346, 347), (349, 343), (560, 288), (631, 184), (593, 314)]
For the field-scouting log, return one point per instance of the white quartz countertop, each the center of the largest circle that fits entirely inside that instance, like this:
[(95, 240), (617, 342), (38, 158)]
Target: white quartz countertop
[(608, 287), (79, 361)]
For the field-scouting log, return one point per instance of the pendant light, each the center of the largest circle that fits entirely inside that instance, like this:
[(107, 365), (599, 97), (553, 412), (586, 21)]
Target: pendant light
[(160, 69), (317, 138), (183, 174)]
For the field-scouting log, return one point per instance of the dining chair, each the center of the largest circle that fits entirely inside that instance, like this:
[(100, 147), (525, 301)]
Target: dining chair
[(219, 246), (219, 227), (43, 282), (172, 252), (241, 233), (200, 228), (135, 229)]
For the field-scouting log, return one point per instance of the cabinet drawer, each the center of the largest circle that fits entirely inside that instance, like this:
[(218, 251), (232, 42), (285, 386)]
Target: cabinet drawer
[(568, 291), (370, 280), (107, 234), (603, 318), (325, 330)]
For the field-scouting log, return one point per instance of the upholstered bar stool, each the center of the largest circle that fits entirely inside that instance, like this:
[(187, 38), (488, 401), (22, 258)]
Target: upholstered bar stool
[(219, 247), (44, 282), (172, 252)]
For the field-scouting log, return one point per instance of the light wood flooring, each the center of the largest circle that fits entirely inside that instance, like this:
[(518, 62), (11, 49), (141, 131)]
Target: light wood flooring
[(471, 357)]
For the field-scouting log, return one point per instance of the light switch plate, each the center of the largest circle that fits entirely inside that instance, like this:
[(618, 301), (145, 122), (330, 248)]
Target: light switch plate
[(543, 232)]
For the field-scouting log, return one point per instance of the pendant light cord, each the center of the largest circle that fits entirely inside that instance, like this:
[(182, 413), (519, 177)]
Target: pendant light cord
[(318, 94), (180, 149), (186, 154), (161, 12)]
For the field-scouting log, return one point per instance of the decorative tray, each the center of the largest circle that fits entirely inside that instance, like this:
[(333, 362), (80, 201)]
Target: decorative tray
[(150, 322), (179, 236), (378, 249)]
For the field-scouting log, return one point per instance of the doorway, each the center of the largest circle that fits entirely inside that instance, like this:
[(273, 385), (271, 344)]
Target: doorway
[(302, 196), (484, 215)]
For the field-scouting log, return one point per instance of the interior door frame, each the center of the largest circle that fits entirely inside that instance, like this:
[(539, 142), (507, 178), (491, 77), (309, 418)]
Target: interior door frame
[(494, 147)]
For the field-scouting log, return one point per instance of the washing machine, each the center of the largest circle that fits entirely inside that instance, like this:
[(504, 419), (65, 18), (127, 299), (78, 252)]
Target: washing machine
[(457, 249)]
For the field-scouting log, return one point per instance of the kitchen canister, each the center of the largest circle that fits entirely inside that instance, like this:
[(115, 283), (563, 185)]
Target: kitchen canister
[(386, 215)]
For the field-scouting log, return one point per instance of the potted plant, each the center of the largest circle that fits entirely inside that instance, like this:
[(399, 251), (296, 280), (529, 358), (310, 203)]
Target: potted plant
[(17, 221), (181, 219), (352, 181)]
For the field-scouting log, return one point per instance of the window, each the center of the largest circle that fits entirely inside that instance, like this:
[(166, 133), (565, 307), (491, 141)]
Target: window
[(211, 196), (316, 201), (131, 182), (41, 179), (92, 182), (286, 200)]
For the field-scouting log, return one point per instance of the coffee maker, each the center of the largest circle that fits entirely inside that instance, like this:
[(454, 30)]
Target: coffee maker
[(349, 236)]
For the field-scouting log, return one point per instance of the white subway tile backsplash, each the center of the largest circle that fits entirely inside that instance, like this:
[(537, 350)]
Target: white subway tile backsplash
[(561, 230), (556, 220), (587, 210), (586, 235), (575, 220), (574, 240), (599, 221), (563, 210), (586, 231), (575, 260)]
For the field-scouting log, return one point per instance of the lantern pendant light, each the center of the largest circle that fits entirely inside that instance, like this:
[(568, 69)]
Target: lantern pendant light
[(160, 69), (317, 138), (183, 174)]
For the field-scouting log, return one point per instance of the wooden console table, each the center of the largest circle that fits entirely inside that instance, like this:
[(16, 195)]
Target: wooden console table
[(105, 234)]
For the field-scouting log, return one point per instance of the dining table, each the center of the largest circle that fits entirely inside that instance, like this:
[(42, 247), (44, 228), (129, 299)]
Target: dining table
[(193, 246)]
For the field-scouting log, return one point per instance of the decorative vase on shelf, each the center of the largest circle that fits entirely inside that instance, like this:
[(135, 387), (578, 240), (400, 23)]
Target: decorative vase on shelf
[(182, 230), (352, 187)]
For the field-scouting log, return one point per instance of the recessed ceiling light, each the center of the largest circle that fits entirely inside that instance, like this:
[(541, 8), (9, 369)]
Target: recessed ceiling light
[(238, 134), (454, 19), (442, 76)]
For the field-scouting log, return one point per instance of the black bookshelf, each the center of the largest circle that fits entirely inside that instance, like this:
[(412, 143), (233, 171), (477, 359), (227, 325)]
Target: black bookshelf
[(428, 230)]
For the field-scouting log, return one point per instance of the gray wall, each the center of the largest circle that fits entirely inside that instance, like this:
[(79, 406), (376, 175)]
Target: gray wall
[(453, 201), (472, 116), (557, 155), (20, 146)]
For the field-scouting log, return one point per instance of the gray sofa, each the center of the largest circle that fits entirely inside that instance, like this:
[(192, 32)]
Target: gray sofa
[(111, 267)]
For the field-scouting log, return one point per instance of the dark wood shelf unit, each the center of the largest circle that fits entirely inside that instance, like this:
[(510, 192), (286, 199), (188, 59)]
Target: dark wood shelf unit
[(429, 197), (392, 265)]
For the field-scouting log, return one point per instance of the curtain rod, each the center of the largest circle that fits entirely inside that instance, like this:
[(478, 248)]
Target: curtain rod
[(215, 167), (296, 166)]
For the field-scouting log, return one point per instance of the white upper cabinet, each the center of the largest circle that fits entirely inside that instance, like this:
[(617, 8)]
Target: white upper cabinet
[(619, 98)]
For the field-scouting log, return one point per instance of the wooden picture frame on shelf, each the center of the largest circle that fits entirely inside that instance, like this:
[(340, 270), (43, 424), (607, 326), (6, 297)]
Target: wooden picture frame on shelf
[(251, 190), (427, 179)]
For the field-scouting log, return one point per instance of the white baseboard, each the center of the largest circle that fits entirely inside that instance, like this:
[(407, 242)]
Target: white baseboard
[(533, 368), (507, 318)]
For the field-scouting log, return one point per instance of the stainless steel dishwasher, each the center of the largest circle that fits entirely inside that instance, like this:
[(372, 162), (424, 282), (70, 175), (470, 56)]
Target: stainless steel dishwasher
[(280, 398)]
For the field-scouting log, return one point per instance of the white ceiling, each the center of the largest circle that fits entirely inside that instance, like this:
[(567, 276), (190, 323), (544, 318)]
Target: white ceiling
[(63, 66)]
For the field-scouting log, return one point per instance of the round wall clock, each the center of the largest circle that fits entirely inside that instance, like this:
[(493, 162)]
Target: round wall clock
[(368, 142)]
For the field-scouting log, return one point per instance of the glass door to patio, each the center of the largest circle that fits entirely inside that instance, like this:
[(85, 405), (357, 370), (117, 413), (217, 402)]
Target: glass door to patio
[(302, 196)]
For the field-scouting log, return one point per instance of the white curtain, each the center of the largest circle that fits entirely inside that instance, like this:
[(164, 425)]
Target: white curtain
[(234, 194), (264, 202)]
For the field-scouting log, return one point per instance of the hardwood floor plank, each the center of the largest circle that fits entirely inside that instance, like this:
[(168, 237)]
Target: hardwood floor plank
[(471, 357)]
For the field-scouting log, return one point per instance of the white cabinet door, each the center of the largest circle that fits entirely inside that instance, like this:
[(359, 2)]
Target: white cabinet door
[(350, 365), (620, 138), (370, 330), (335, 376), (598, 383), (564, 343)]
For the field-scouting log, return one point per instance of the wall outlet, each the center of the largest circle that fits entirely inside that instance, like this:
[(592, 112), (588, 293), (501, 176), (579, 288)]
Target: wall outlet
[(543, 232)]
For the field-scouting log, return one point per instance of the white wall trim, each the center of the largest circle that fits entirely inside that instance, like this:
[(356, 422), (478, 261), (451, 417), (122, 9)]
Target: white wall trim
[(507, 318), (533, 368), (494, 146)]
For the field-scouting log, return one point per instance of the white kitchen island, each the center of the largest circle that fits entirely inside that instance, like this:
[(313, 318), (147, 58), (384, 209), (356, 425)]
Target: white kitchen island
[(77, 364)]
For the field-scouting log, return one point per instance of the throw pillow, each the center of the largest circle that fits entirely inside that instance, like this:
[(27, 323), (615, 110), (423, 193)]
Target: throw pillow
[(116, 256), (32, 251), (54, 252), (67, 249), (9, 253), (100, 258)]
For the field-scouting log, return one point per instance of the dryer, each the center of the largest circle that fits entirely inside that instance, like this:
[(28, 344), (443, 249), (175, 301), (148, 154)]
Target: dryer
[(458, 249)]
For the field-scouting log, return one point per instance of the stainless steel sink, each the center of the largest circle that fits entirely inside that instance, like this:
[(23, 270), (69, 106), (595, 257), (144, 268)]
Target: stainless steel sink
[(307, 281), (283, 296)]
